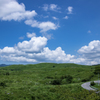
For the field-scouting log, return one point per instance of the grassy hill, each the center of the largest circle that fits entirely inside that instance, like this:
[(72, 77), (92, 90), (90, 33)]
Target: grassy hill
[(46, 81)]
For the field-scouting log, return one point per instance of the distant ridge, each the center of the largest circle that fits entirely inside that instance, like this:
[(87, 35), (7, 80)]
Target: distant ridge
[(3, 65), (96, 65)]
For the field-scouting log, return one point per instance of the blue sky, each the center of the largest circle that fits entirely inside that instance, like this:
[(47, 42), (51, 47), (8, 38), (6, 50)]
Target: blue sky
[(57, 31)]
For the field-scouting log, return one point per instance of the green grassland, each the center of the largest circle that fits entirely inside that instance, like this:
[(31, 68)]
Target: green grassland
[(97, 86), (46, 81)]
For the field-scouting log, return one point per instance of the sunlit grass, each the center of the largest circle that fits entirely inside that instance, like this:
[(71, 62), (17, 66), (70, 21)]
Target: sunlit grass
[(97, 86), (34, 82)]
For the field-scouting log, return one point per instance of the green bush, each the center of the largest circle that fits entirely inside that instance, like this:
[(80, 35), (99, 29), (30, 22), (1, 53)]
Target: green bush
[(3, 84), (92, 83), (85, 80), (69, 79), (7, 73), (56, 82), (49, 77), (64, 81), (53, 66), (63, 77)]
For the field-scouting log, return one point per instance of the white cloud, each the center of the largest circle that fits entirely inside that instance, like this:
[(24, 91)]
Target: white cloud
[(47, 55), (89, 31), (45, 7), (16, 59), (43, 26), (91, 52), (57, 55), (46, 16), (30, 35), (33, 23), (7, 50), (55, 18), (69, 10), (36, 44), (93, 47), (48, 36), (22, 37), (34, 50), (52, 7), (12, 10), (66, 17)]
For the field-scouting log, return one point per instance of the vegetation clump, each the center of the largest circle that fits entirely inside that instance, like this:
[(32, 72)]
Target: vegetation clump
[(85, 80), (53, 66), (3, 84), (65, 79), (92, 83), (56, 82), (7, 73)]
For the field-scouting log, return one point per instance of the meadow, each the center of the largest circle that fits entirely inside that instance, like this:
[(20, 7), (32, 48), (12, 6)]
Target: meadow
[(47, 81), (97, 86)]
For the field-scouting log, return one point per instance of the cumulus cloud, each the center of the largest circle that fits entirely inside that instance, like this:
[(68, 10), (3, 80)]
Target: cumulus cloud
[(69, 10), (33, 23), (91, 52), (7, 50), (36, 44), (12, 10), (43, 26), (57, 55), (30, 35), (93, 47), (34, 50), (23, 50), (18, 59), (66, 17), (52, 7)]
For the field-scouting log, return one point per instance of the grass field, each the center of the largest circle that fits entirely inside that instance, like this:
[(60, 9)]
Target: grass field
[(46, 81), (97, 86)]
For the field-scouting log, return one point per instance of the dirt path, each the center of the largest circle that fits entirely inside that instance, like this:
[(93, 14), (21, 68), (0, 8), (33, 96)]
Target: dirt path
[(87, 85)]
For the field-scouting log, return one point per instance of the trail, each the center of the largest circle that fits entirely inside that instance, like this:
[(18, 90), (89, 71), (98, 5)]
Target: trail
[(87, 85)]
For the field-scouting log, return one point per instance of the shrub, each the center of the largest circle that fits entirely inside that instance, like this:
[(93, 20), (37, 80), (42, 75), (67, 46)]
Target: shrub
[(49, 77), (69, 79), (95, 72), (64, 81), (56, 82), (53, 66), (92, 83), (63, 77), (85, 80), (3, 84), (7, 73), (91, 76), (12, 70)]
